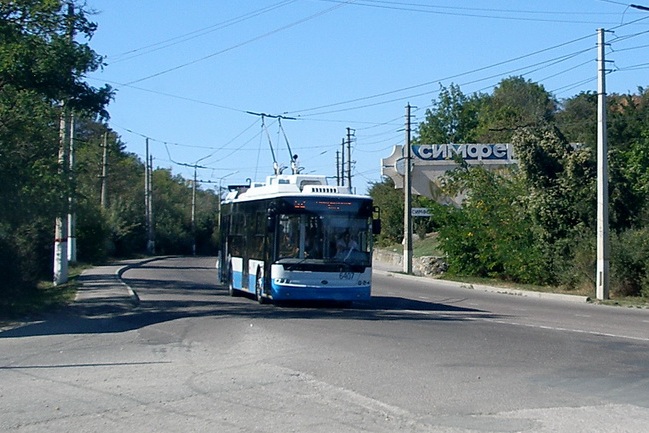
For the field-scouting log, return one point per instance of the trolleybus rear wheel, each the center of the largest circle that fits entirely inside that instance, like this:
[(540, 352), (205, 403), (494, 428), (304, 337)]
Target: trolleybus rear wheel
[(231, 290), (259, 288)]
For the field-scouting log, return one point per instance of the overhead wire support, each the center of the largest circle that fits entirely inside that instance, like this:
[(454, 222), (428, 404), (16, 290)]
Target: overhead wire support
[(639, 7)]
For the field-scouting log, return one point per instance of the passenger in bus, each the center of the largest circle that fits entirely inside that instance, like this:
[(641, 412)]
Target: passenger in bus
[(345, 243), (313, 244), (287, 246)]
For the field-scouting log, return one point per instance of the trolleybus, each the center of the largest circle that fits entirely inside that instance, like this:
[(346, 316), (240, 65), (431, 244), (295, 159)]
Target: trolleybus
[(294, 237)]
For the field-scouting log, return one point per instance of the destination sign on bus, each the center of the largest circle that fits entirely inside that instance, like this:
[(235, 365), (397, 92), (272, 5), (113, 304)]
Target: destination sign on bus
[(324, 204)]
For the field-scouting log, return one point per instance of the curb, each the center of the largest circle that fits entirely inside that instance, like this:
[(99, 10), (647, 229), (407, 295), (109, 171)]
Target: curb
[(135, 299), (492, 289)]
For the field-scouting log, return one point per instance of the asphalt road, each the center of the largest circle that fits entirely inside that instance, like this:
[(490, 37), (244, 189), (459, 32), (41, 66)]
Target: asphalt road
[(421, 356)]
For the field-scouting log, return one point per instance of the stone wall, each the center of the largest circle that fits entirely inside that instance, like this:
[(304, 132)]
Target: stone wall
[(428, 266)]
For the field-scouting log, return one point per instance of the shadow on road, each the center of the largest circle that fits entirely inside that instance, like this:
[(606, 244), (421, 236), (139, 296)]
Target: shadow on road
[(171, 299)]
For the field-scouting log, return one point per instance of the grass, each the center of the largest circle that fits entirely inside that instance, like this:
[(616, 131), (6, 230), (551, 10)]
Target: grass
[(45, 297), (426, 247)]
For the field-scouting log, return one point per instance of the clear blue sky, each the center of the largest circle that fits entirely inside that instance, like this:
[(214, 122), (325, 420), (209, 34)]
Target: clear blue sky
[(186, 72)]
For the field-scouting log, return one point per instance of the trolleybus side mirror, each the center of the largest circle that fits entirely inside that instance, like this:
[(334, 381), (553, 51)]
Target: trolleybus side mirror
[(376, 220), (376, 227)]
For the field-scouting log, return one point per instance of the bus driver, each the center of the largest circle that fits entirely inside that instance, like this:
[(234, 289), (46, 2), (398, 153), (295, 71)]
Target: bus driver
[(346, 244)]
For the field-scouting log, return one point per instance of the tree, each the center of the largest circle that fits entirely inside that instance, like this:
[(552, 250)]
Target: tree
[(577, 119), (453, 118), (560, 180), (515, 103), (628, 117), (40, 66), (390, 200), (491, 234)]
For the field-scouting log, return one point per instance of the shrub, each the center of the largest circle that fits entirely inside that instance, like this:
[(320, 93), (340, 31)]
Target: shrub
[(630, 262)]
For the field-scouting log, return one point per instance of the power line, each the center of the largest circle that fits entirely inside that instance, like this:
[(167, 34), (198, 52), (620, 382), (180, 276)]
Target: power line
[(246, 42), (196, 33), (543, 64), (475, 12), (451, 77)]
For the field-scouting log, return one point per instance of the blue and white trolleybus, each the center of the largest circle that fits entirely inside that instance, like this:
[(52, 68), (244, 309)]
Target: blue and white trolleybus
[(294, 237)]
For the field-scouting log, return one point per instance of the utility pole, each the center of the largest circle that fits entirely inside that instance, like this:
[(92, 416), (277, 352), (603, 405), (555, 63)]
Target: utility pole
[(72, 215), (104, 172), (60, 265), (338, 168), (61, 227), (349, 157), (151, 231), (147, 217), (407, 207), (342, 164), (602, 278), (148, 201), (194, 214)]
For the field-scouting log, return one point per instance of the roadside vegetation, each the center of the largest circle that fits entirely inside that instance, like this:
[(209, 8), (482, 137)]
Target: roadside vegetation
[(40, 69), (535, 223)]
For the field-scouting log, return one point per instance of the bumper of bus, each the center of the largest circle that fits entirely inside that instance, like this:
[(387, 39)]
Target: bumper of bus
[(305, 286), (288, 292)]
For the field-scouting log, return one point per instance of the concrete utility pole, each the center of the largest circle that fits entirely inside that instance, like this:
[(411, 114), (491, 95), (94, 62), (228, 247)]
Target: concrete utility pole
[(147, 217), (60, 265), (338, 168), (342, 164), (407, 207), (148, 201), (349, 157), (151, 232), (61, 225), (602, 279), (104, 172), (72, 215), (194, 213)]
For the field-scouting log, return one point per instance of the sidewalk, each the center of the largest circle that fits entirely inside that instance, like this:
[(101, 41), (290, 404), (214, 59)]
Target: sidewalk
[(103, 289)]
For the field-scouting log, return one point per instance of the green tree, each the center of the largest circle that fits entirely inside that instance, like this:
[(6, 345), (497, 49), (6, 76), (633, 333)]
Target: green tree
[(577, 119), (560, 180), (628, 120), (515, 103), (390, 200), (452, 119), (40, 66), (491, 234)]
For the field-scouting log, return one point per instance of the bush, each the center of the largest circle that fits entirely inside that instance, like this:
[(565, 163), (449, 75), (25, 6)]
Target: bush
[(92, 234), (25, 258), (576, 270), (630, 263)]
